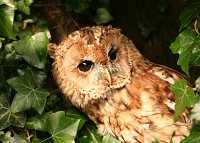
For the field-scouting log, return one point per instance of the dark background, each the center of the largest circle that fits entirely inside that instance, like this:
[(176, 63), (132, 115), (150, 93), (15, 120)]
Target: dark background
[(161, 18), (129, 14)]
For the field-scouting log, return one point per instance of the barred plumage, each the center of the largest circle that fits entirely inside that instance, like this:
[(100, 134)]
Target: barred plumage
[(102, 73)]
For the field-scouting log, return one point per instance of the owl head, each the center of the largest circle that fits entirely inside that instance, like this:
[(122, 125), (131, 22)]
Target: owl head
[(93, 62)]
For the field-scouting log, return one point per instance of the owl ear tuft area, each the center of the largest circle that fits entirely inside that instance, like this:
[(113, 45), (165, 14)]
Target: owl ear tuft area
[(51, 49)]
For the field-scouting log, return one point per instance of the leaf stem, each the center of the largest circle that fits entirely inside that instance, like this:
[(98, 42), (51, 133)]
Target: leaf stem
[(46, 139), (196, 27)]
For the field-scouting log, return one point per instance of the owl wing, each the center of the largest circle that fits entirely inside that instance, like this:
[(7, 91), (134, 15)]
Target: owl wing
[(169, 74), (155, 113)]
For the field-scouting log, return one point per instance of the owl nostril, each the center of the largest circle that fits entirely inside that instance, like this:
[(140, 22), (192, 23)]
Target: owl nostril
[(85, 66)]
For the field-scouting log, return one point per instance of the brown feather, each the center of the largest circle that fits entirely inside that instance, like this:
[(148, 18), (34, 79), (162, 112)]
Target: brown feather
[(127, 96)]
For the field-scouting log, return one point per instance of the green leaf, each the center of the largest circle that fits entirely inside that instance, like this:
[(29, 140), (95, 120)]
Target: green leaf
[(184, 95), (8, 65), (10, 60), (195, 112), (61, 128), (38, 122), (190, 12), (3, 86), (84, 139), (194, 136), (155, 141), (91, 132), (34, 49), (6, 21), (173, 135), (10, 3), (78, 6), (183, 45), (38, 76), (25, 33), (52, 102), (110, 139), (28, 2), (74, 113), (7, 117), (5, 137), (103, 16), (1, 39), (197, 83), (43, 25), (147, 28), (22, 84), (23, 7), (18, 139), (195, 54), (163, 5), (27, 95)]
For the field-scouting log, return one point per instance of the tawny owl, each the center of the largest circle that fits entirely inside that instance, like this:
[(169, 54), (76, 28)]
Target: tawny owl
[(102, 73)]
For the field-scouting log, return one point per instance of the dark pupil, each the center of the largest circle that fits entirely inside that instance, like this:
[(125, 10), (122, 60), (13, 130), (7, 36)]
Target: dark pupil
[(112, 54), (85, 66)]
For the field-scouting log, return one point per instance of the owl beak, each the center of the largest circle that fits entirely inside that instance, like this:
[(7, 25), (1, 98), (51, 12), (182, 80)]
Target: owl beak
[(107, 75)]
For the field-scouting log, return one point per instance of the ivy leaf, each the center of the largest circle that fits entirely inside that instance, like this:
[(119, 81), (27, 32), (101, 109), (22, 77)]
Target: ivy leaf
[(1, 40), (34, 49), (163, 5), (74, 113), (3, 86), (38, 76), (8, 65), (190, 12), (53, 101), (90, 131), (7, 117), (22, 6), (38, 122), (8, 2), (194, 136), (184, 95), (183, 45), (147, 28), (195, 54), (18, 139), (195, 112), (61, 128), (84, 139), (35, 99), (43, 25), (103, 16), (27, 95), (78, 6), (110, 139), (197, 83), (5, 137), (6, 21), (10, 60), (155, 141)]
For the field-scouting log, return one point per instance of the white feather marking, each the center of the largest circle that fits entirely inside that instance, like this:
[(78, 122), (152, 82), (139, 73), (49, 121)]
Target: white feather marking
[(170, 104), (168, 79)]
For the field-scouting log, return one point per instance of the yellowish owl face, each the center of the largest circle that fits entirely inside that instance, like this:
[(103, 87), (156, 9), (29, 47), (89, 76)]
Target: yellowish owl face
[(93, 62)]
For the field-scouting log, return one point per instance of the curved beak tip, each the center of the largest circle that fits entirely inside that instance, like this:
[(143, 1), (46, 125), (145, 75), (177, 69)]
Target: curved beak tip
[(107, 75)]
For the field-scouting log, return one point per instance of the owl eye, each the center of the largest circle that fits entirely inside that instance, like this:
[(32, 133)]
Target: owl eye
[(85, 66), (112, 54)]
